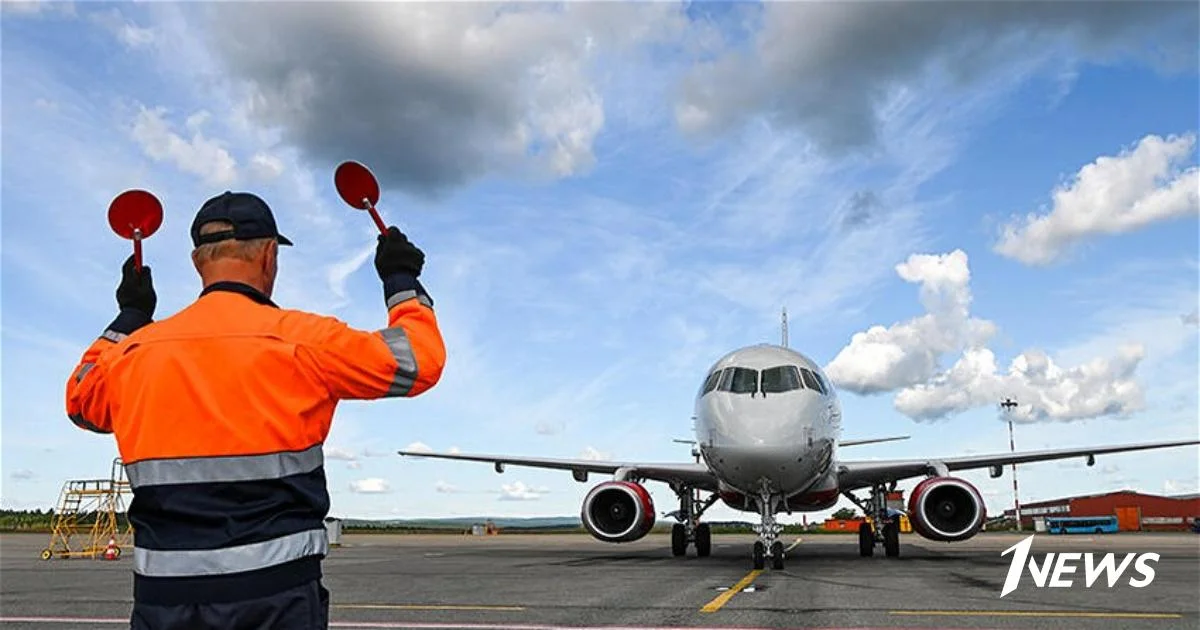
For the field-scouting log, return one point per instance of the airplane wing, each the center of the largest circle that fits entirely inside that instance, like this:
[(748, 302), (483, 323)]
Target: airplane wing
[(864, 473), (694, 475), (871, 441)]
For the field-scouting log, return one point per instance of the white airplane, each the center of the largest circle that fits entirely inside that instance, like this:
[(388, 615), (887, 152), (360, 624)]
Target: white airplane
[(768, 427)]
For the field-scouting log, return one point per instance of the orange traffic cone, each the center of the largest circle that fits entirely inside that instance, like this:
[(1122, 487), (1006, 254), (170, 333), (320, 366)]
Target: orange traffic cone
[(112, 551)]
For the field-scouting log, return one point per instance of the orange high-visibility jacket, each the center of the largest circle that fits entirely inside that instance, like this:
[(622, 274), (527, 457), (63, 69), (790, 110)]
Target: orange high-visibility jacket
[(220, 412)]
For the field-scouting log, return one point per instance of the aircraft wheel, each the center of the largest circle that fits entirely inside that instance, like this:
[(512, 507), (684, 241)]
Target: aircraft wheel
[(866, 540), (703, 540), (760, 553), (891, 540), (46, 554), (777, 556), (678, 540)]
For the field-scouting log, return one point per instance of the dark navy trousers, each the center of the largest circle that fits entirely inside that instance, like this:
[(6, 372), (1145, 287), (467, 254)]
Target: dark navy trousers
[(304, 607)]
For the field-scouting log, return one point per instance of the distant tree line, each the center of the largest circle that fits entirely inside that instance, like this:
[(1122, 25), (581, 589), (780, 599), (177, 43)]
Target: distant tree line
[(43, 520)]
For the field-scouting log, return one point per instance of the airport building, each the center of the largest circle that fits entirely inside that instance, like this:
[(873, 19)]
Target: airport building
[(1134, 511)]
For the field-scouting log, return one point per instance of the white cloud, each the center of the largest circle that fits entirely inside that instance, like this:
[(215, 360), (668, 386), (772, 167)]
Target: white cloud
[(343, 454), (1113, 194), (453, 450), (1043, 390), (592, 454), (907, 357), (1191, 319), (265, 167), (884, 359), (445, 488), (126, 32), (354, 465), (518, 491), (373, 485), (200, 156), (418, 447)]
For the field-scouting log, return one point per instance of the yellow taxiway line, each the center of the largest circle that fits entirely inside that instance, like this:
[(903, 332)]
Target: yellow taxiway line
[(429, 607), (723, 598), (1033, 613)]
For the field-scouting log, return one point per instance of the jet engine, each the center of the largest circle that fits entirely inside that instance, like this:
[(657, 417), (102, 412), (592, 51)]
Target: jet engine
[(946, 509), (618, 511)]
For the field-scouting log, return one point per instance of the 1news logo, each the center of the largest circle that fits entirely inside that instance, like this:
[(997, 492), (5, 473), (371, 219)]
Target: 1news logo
[(1063, 563)]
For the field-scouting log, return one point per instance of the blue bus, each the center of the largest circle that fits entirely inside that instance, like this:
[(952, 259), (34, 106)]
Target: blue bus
[(1081, 525)]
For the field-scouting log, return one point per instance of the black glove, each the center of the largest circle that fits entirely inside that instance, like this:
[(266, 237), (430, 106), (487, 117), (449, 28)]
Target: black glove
[(136, 290), (396, 255)]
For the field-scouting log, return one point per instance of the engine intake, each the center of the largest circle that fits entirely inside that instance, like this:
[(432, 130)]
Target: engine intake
[(618, 511), (946, 509)]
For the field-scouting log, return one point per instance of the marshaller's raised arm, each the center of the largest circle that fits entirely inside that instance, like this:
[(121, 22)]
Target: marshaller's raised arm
[(403, 360)]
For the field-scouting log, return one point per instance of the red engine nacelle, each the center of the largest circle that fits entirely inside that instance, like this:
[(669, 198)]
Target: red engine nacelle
[(946, 509), (618, 511)]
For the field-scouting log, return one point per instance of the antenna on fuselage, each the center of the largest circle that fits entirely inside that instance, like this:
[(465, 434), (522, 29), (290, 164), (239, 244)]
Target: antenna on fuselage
[(785, 335)]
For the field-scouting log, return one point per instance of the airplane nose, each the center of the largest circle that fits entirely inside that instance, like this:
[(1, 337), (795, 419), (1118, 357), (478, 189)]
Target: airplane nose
[(770, 420)]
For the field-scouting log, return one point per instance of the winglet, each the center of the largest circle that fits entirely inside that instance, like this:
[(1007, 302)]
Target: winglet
[(871, 441)]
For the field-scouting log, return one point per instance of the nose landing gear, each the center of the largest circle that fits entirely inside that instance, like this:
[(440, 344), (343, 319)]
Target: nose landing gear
[(768, 532)]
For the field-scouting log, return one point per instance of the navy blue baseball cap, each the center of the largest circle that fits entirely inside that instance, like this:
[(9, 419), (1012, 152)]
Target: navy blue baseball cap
[(250, 215)]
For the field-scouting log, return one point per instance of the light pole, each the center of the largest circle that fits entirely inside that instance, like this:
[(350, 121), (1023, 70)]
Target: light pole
[(1008, 405)]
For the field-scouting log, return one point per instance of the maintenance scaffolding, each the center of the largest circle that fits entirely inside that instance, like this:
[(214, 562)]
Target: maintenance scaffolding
[(85, 522)]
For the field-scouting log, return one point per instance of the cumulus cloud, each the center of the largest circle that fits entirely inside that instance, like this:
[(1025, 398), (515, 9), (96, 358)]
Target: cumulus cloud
[(1113, 194), (338, 453), (1043, 390), (907, 356), (440, 94), (372, 485), (518, 491), (418, 447), (907, 353), (445, 488), (200, 156), (454, 450), (828, 68)]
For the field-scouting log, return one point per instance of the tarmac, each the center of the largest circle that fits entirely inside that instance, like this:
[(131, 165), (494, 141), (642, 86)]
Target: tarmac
[(531, 582)]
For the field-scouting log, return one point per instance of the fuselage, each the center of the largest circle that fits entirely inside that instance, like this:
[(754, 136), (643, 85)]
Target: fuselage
[(768, 420)]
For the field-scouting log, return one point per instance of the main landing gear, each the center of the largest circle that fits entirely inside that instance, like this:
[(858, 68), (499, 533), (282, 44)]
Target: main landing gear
[(689, 529), (886, 529), (768, 544)]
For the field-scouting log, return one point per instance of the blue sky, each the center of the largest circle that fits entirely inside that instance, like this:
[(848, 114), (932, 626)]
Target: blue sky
[(612, 196)]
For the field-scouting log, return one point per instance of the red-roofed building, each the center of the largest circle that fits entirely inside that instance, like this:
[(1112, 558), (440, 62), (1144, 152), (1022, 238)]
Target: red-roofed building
[(1134, 511)]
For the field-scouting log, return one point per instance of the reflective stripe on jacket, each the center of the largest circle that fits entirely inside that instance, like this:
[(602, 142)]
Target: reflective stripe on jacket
[(220, 413)]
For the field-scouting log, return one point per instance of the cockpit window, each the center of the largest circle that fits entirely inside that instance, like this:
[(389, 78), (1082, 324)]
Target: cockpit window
[(783, 378), (811, 381), (710, 383), (824, 383), (739, 381)]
